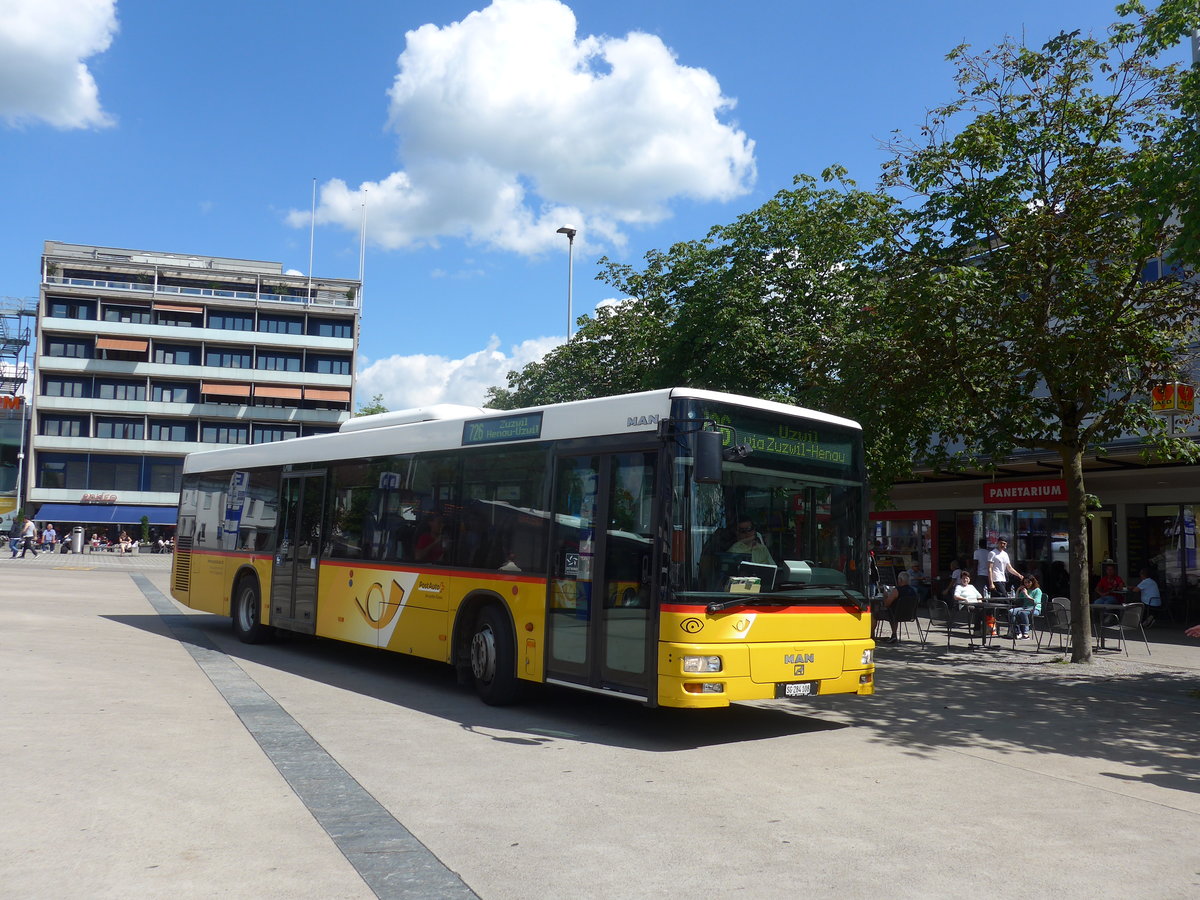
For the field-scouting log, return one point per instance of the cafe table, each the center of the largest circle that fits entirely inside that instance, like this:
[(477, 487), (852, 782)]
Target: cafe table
[(975, 612)]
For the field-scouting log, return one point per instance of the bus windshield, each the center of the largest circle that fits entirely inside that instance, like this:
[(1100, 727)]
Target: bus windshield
[(788, 492)]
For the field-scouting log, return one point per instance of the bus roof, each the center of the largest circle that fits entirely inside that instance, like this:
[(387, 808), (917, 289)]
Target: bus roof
[(444, 427)]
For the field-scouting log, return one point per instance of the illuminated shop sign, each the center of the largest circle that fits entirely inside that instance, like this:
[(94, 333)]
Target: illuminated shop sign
[(1025, 493)]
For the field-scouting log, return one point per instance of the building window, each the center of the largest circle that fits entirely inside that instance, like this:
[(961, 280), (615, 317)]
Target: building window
[(65, 426), (176, 354), (54, 386), (336, 328), (69, 348), (115, 473), (134, 315), (120, 390), (227, 358), (67, 471), (266, 434), (278, 361), (164, 474), (224, 433), (177, 319), (231, 321), (325, 364), (280, 324), (174, 392), (120, 429), (63, 308), (172, 430)]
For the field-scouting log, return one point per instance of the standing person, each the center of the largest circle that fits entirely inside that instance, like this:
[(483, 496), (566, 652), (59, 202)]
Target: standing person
[(1148, 592), (49, 538), (1000, 567), (28, 538), (1029, 604), (872, 571), (14, 537), (981, 562)]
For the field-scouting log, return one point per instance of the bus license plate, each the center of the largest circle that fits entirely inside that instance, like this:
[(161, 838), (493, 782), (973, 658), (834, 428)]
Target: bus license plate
[(796, 689)]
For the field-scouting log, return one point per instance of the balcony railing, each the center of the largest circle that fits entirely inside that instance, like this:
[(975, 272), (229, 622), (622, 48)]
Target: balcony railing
[(319, 298)]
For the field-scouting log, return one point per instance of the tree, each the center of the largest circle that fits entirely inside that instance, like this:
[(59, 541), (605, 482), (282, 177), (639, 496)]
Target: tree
[(1020, 311), (373, 408), (754, 308)]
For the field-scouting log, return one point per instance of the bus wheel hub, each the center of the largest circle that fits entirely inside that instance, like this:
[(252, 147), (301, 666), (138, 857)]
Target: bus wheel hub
[(483, 655)]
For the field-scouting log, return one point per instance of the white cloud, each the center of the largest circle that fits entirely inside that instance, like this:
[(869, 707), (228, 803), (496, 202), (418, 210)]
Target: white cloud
[(422, 379), (510, 124), (43, 45)]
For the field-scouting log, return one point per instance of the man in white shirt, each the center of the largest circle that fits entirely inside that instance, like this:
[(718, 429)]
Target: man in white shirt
[(999, 568), (1148, 592)]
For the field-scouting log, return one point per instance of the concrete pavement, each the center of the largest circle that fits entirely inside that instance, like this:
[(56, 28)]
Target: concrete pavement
[(148, 754)]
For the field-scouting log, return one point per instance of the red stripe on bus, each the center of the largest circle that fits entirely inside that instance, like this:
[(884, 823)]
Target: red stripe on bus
[(701, 607)]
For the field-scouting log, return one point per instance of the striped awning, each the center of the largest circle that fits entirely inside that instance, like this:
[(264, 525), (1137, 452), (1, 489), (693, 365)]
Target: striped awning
[(326, 394), (225, 389), (105, 343), (280, 393)]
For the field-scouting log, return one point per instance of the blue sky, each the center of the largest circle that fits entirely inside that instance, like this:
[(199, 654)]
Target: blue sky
[(476, 128)]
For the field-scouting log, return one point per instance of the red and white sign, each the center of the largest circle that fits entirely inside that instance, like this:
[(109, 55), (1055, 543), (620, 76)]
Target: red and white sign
[(1026, 493)]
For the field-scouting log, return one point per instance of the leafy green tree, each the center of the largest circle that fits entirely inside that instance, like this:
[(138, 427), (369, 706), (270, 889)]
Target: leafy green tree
[(754, 308), (374, 407), (1019, 313)]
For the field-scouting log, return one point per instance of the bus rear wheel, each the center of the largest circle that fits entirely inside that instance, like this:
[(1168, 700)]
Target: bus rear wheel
[(247, 613), (493, 658)]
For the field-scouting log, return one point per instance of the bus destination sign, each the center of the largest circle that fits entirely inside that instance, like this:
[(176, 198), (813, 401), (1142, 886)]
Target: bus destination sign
[(792, 443), (503, 428)]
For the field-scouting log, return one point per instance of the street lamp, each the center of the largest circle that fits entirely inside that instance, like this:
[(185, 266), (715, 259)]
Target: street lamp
[(570, 231)]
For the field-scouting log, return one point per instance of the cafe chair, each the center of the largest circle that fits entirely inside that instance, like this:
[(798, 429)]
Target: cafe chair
[(1131, 620), (1056, 617), (906, 611), (940, 616)]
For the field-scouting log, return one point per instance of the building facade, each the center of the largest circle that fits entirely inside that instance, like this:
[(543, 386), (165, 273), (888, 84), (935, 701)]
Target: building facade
[(1146, 519), (143, 357)]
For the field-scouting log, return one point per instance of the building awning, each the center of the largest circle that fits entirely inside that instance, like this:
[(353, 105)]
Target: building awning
[(326, 394), (105, 343), (174, 307), (280, 393), (225, 389), (105, 513)]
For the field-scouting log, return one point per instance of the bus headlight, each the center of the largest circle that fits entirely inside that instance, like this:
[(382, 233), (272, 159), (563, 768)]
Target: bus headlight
[(702, 664), (868, 657)]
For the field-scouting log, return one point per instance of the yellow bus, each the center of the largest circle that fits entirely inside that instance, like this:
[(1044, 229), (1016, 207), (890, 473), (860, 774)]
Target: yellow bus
[(593, 544)]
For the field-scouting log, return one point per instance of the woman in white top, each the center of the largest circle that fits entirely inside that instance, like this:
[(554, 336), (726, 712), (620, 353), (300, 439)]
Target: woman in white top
[(966, 592)]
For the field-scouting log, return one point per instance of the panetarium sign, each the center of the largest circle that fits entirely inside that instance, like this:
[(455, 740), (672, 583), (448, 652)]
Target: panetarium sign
[(1026, 493)]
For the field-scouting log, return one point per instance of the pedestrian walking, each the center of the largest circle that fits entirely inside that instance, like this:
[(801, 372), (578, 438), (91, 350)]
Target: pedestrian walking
[(14, 537), (29, 538)]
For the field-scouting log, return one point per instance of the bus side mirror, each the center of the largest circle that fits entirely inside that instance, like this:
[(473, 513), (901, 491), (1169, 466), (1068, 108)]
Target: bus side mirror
[(707, 458)]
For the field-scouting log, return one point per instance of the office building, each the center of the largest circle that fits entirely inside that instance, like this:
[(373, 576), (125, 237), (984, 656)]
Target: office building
[(144, 356)]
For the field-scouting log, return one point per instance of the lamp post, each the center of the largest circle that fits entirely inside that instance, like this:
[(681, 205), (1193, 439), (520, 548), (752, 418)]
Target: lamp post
[(570, 231)]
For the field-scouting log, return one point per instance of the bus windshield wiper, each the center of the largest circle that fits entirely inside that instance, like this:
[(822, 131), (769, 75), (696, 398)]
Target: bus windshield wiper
[(758, 599)]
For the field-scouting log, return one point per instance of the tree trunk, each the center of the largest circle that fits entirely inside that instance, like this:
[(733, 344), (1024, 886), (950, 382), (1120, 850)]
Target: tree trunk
[(1081, 614)]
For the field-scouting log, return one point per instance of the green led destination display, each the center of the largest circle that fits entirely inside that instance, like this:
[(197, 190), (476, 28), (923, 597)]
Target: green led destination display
[(502, 428), (791, 443)]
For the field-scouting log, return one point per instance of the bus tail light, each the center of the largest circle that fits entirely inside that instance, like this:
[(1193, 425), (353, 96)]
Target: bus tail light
[(702, 664)]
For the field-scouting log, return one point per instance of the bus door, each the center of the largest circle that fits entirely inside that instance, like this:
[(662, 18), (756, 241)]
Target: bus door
[(298, 553), (600, 585)]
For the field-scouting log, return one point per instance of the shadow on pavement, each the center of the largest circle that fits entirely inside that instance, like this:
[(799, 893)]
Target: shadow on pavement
[(545, 713)]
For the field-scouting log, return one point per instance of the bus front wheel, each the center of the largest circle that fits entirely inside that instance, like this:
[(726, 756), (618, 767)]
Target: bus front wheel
[(247, 613), (493, 658)]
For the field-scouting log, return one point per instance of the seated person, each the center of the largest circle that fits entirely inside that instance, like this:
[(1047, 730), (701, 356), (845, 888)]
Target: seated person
[(891, 604), (1029, 604), (1110, 582), (964, 591), (748, 541), (1148, 592)]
